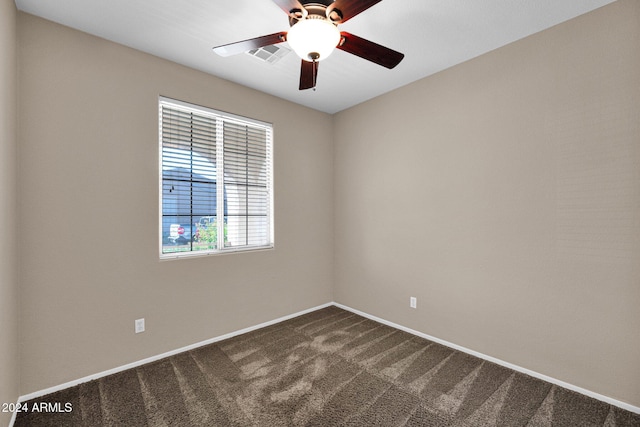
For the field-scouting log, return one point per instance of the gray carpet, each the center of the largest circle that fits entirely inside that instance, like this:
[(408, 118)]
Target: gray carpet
[(327, 368)]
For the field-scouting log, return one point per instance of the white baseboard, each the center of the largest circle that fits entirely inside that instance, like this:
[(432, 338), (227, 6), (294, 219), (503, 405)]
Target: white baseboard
[(88, 378), (543, 377), (517, 368), (13, 419)]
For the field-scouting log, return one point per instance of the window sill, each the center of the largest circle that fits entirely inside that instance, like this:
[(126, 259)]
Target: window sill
[(205, 254)]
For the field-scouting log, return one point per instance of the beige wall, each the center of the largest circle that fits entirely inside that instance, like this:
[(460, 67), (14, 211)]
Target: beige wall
[(9, 364), (503, 194), (88, 171)]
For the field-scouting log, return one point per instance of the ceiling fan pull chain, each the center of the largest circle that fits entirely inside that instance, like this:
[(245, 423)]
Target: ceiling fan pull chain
[(315, 73)]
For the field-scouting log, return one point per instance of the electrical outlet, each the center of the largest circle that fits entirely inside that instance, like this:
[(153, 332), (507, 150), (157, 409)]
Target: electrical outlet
[(413, 302), (139, 325)]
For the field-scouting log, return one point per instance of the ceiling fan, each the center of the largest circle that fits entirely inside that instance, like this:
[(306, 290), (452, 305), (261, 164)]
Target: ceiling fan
[(314, 35)]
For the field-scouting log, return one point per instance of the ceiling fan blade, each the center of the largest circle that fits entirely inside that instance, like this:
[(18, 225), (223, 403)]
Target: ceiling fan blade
[(308, 74), (369, 50), (246, 45), (350, 8), (289, 5)]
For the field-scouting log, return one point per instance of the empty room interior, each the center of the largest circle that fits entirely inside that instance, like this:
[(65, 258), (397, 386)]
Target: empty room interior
[(482, 202)]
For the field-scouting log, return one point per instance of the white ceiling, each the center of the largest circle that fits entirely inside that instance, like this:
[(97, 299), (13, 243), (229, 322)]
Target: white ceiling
[(433, 35)]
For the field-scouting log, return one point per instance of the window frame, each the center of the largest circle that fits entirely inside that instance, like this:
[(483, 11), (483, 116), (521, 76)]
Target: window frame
[(220, 117)]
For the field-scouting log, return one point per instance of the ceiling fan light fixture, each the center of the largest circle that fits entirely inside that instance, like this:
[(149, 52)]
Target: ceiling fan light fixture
[(313, 39)]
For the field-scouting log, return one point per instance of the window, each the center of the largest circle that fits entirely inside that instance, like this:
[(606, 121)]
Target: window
[(215, 181)]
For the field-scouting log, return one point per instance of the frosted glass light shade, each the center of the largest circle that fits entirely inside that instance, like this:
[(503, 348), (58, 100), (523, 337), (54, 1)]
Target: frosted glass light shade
[(313, 37)]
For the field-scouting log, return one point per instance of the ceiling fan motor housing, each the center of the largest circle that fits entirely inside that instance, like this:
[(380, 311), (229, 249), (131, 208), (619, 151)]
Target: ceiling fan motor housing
[(321, 10)]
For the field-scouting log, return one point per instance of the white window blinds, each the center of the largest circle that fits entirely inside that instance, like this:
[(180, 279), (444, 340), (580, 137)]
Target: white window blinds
[(201, 148)]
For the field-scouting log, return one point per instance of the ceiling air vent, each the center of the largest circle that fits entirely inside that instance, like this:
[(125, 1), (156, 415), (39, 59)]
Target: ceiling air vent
[(271, 53)]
